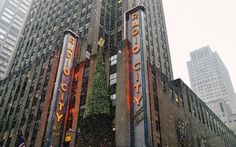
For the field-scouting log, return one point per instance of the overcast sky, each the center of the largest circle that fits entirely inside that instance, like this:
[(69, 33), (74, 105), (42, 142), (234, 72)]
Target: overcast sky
[(192, 24)]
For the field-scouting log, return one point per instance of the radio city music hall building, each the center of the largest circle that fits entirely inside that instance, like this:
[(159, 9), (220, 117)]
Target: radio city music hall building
[(45, 94)]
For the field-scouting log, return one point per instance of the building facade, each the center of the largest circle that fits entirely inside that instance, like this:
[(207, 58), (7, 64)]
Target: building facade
[(12, 17), (185, 120), (43, 64)]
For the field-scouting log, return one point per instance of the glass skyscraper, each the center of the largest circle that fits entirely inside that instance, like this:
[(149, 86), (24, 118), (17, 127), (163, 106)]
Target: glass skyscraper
[(12, 17)]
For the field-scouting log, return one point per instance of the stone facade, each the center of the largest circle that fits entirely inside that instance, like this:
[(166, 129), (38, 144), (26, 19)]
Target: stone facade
[(187, 121)]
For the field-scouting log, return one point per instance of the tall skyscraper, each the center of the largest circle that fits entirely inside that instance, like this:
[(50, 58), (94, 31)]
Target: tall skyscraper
[(210, 80), (43, 35), (12, 17), (45, 96)]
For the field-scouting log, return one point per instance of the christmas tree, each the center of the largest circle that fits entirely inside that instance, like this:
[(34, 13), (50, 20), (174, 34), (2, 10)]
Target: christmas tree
[(97, 119)]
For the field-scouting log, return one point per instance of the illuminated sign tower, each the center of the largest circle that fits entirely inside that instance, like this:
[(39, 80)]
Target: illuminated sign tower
[(62, 89), (140, 111)]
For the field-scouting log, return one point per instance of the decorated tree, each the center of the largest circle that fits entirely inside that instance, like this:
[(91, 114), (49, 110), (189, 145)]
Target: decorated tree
[(97, 120)]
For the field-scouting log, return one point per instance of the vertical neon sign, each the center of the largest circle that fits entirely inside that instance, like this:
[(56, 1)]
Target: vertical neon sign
[(61, 92), (139, 106)]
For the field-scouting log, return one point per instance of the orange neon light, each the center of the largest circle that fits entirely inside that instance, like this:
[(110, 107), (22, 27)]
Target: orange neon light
[(136, 66), (135, 24), (137, 99), (135, 32), (136, 87), (128, 95), (135, 16), (63, 87), (135, 49)]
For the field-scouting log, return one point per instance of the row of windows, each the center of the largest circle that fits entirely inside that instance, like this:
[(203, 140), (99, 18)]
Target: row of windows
[(41, 45), (85, 17), (114, 14), (33, 103), (197, 55), (155, 35)]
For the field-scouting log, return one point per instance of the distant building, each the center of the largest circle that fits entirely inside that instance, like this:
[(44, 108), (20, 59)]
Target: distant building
[(12, 17), (210, 80)]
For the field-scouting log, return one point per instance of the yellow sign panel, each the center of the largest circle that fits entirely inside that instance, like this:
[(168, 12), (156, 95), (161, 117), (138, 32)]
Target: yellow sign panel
[(101, 42), (68, 138)]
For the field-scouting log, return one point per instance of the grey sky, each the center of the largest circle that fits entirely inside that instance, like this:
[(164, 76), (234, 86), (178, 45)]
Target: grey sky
[(192, 24)]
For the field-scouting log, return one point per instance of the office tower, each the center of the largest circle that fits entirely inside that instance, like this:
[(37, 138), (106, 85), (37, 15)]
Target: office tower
[(55, 65), (12, 17), (210, 80), (155, 46), (33, 64), (37, 57)]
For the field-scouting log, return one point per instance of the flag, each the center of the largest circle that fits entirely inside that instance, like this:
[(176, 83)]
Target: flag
[(20, 141), (101, 42)]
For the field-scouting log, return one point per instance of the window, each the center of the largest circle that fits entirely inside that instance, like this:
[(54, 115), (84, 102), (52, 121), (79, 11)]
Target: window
[(18, 22), (7, 20), (23, 10), (15, 26), (119, 36), (113, 78), (7, 15), (19, 18), (9, 11), (221, 106), (113, 99), (113, 60), (10, 42), (2, 31), (13, 3), (12, 37), (23, 6), (1, 36)]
